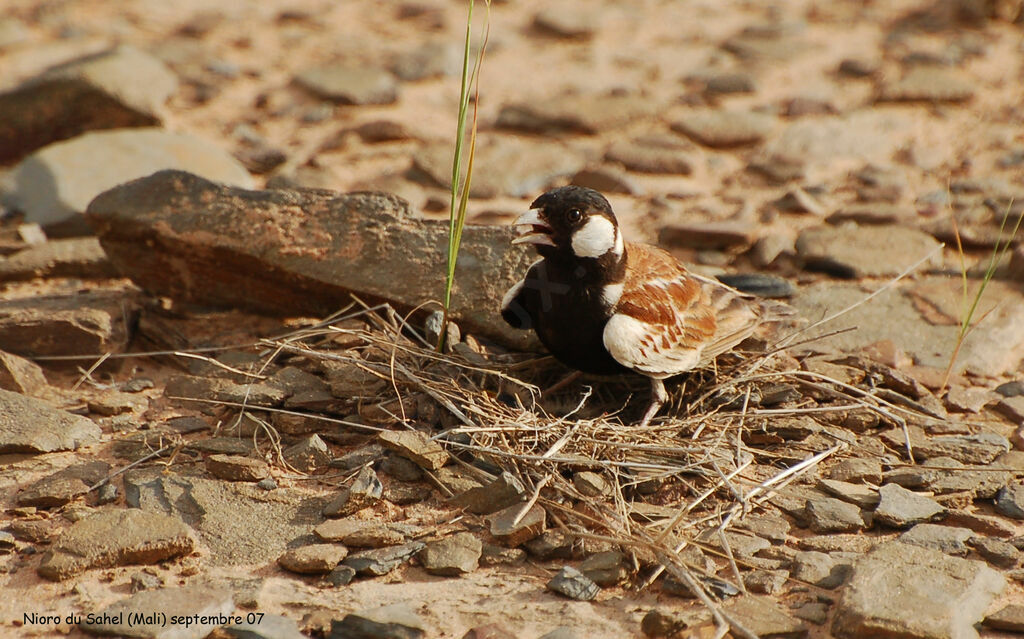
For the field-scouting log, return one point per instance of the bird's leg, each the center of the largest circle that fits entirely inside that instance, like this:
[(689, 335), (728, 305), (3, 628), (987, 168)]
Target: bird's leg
[(658, 397)]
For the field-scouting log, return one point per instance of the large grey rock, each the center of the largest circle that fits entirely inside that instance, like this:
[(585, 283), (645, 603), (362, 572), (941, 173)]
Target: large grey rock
[(300, 252), (118, 537), (899, 590), (87, 323), (239, 523), (927, 84), (147, 614), (120, 88), (863, 251), (29, 425), (54, 185), (831, 142)]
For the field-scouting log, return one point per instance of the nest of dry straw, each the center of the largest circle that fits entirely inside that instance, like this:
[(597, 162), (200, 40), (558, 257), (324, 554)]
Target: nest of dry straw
[(734, 439)]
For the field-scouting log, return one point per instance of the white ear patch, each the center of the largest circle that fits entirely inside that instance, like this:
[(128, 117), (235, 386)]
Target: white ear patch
[(595, 238)]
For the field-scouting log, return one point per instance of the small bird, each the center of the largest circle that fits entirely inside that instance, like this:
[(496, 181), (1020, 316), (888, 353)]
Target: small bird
[(605, 306)]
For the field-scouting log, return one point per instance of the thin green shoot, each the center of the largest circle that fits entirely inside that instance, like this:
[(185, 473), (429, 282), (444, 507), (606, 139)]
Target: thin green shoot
[(970, 304), (459, 188)]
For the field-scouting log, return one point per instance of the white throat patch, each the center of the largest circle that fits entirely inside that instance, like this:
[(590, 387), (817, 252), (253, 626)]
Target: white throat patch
[(595, 238)]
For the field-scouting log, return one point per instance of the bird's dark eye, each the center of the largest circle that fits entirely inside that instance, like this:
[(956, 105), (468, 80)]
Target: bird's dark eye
[(574, 216)]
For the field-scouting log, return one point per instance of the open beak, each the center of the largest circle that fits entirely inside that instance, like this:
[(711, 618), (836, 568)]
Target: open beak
[(532, 229)]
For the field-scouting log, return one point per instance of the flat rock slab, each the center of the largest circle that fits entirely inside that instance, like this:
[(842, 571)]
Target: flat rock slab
[(360, 533), (115, 89), (381, 561), (240, 523), (725, 129), (315, 559), (900, 508), (501, 493), (927, 84), (415, 446), (267, 627), (64, 485), (350, 85), (117, 537), (20, 375), (765, 618), (899, 590), (454, 555), (149, 614), (576, 113), (994, 347), (397, 621), (90, 323), (73, 257), (52, 189), (29, 425), (283, 252), (864, 251)]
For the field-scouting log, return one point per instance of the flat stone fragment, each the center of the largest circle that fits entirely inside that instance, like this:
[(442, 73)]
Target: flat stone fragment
[(29, 425), (315, 559), (350, 85), (644, 157), (858, 494), (899, 590), (576, 113), (79, 324), (725, 129), (147, 613), (117, 537), (711, 235), (573, 584), (1010, 501), (981, 448), (20, 375), (999, 553), (365, 491), (606, 568), (381, 561), (765, 582), (52, 190), (359, 533), (1010, 618), (268, 627), (506, 531), (927, 84), (503, 492), (64, 485), (397, 621), (819, 569), (951, 540), (238, 522), (414, 445), (900, 508), (72, 257), (120, 88), (863, 251), (566, 21), (828, 515), (237, 468), (765, 618), (309, 455), (454, 555)]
